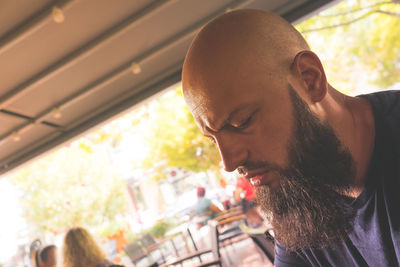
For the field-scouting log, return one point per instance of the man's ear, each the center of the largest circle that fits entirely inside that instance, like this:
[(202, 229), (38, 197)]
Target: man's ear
[(307, 66)]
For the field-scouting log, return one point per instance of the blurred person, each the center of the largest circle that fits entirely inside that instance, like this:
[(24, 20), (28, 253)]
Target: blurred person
[(205, 209), (81, 250), (245, 194), (47, 256), (34, 252), (245, 190)]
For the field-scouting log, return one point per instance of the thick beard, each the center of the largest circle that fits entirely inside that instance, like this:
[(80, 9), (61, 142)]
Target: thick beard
[(308, 208)]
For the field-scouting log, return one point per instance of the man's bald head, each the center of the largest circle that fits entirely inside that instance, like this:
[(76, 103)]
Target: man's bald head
[(241, 39)]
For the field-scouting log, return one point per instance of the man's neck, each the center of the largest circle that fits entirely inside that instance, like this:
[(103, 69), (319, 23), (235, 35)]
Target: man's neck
[(361, 139)]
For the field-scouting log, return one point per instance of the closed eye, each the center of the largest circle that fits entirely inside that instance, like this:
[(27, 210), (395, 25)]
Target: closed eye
[(246, 123), (210, 138)]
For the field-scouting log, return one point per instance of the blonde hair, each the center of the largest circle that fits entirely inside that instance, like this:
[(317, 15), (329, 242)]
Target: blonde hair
[(80, 249)]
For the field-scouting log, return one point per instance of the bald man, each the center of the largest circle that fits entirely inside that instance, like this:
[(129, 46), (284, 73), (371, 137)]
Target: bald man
[(325, 165)]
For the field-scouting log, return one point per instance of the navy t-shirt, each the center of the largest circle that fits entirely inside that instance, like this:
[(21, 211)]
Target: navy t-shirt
[(375, 239)]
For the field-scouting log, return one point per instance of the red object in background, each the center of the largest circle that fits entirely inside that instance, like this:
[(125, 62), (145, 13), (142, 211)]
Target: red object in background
[(201, 191), (246, 187)]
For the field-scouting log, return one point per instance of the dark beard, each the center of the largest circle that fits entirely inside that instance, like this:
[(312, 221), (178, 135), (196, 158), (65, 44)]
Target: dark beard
[(308, 208)]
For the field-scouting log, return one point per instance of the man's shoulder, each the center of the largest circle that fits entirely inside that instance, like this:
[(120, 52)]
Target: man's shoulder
[(385, 102), (386, 109)]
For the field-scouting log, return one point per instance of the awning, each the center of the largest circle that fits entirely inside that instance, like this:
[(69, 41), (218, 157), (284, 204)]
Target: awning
[(66, 66)]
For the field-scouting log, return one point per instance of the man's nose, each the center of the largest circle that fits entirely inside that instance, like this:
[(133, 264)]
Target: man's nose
[(233, 153)]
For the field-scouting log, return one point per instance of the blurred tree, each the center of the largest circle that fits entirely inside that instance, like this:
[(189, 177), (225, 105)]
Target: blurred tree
[(359, 40), (75, 185), (174, 140)]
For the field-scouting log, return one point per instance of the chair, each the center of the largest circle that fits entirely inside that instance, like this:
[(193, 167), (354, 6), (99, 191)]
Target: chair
[(214, 251), (135, 252), (228, 223), (229, 230), (229, 213), (147, 241), (263, 240), (185, 234), (229, 227), (150, 245), (143, 248)]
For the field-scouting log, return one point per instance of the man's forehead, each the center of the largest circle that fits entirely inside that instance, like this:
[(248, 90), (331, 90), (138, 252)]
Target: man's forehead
[(194, 98), (201, 105)]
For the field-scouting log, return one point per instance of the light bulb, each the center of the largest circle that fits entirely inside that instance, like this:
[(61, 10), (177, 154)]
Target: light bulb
[(16, 136), (136, 69), (56, 113), (58, 15)]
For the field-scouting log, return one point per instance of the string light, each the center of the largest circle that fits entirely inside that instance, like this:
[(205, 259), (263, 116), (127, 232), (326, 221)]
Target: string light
[(135, 67), (16, 136), (56, 113), (58, 14)]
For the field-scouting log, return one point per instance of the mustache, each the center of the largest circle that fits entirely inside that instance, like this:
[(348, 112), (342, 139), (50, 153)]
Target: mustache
[(268, 166)]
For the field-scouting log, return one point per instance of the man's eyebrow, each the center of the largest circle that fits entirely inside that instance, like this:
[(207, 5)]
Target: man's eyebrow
[(226, 121), (218, 128)]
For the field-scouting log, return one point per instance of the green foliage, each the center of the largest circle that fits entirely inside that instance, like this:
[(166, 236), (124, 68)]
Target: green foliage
[(174, 139), (360, 40), (131, 236), (160, 228), (72, 186)]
